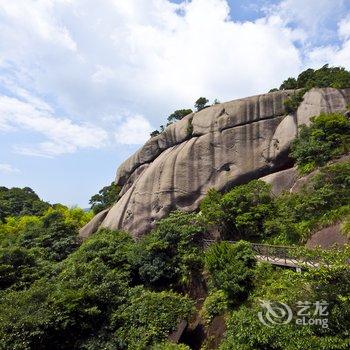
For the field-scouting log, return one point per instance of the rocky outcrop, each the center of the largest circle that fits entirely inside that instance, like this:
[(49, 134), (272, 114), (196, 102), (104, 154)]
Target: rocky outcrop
[(282, 181), (94, 224), (220, 146), (327, 238)]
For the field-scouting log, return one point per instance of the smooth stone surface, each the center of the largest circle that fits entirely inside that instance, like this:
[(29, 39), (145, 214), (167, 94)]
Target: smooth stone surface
[(231, 143)]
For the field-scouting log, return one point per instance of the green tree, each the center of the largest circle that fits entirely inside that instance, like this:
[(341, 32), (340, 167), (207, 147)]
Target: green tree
[(105, 198), (201, 103), (231, 269), (154, 133), (170, 254), (245, 209), (289, 84), (20, 201), (327, 136), (149, 317), (179, 114)]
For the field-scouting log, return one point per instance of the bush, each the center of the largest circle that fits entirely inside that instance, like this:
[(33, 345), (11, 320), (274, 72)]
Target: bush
[(328, 136), (201, 103), (245, 331), (335, 77), (20, 201), (292, 103), (74, 303), (323, 201), (149, 317), (245, 208), (215, 304), (20, 267), (171, 253), (170, 346), (231, 269), (211, 207), (105, 198)]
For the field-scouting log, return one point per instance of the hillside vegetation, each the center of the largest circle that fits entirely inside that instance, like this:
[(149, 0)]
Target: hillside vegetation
[(110, 292)]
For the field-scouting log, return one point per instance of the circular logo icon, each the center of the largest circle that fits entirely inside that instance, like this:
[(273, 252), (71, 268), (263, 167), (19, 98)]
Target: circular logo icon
[(274, 313)]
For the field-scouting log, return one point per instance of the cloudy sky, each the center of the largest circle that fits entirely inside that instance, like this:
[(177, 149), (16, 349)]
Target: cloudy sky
[(83, 82)]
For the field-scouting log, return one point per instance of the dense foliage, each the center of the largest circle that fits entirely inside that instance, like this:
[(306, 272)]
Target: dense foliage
[(20, 201), (105, 198), (251, 211), (335, 77), (59, 295), (171, 253), (110, 292), (240, 212), (230, 269), (328, 136), (331, 284)]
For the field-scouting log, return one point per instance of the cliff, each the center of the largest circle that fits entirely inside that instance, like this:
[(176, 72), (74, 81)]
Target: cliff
[(220, 146)]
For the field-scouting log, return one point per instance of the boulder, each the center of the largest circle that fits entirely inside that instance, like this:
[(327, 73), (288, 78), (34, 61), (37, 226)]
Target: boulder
[(327, 238), (282, 181), (219, 147), (94, 224)]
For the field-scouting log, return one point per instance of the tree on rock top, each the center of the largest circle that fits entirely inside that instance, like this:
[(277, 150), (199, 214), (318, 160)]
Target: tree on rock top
[(179, 114), (201, 103)]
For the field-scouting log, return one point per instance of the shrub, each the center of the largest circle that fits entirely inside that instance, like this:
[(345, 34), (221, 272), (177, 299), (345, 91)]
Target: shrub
[(20, 267), (336, 77), (230, 267), (245, 208), (74, 303), (215, 304), (328, 136), (20, 201), (245, 331), (170, 346), (292, 103), (323, 201), (105, 198), (289, 84), (149, 317), (171, 253), (211, 207)]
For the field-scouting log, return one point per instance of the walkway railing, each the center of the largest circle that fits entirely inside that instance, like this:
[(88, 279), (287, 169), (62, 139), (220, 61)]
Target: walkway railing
[(278, 255)]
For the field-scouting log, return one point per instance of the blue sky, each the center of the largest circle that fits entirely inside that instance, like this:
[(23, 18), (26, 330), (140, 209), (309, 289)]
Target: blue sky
[(81, 85)]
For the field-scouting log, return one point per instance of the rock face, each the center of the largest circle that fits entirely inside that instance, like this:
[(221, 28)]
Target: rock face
[(220, 146), (328, 238)]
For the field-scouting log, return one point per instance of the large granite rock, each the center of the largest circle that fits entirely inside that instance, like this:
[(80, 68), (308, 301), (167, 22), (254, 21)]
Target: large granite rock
[(220, 146)]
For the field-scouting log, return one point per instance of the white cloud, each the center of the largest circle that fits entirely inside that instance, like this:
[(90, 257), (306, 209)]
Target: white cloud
[(337, 55), (97, 65), (133, 131), (8, 169), (310, 16), (344, 28), (147, 57), (63, 135)]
